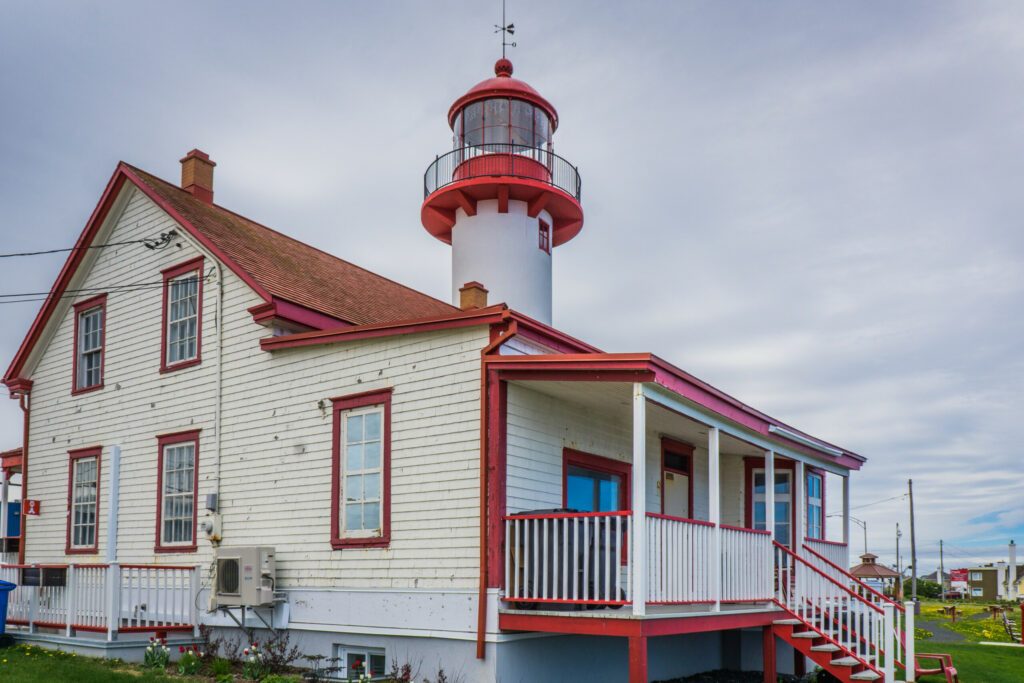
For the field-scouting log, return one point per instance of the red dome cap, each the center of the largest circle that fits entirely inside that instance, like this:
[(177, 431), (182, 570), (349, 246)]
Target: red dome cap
[(503, 85)]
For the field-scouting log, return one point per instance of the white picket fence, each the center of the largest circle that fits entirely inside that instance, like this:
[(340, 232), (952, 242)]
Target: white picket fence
[(586, 558), (107, 598)]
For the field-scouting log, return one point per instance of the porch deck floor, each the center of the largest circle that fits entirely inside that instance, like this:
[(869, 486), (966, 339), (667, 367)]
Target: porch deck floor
[(653, 611)]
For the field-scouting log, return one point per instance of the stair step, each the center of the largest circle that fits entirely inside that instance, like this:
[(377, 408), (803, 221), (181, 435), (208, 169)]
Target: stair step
[(866, 675), (845, 661), (787, 622), (807, 634), (827, 647)]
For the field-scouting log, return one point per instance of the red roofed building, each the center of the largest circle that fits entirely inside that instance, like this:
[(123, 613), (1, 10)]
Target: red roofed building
[(219, 417)]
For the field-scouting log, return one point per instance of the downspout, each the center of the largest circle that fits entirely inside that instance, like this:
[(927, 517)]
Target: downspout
[(23, 403), (500, 338)]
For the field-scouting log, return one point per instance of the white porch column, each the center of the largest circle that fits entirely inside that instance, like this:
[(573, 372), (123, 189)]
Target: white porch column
[(113, 502), (715, 517), (800, 507), (639, 498), (846, 519), (769, 493), (4, 492)]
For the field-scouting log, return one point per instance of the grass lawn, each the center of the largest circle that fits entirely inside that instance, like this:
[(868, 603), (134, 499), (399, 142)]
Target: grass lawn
[(975, 663), (28, 664)]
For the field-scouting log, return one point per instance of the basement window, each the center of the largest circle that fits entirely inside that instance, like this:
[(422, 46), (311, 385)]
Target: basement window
[(90, 337), (355, 662)]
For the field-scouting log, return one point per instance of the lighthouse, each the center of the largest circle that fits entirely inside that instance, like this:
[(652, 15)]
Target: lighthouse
[(501, 197)]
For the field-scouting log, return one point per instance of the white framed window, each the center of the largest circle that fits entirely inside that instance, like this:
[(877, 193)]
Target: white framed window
[(783, 504), (83, 500), (183, 300), (976, 592), (815, 507), (182, 318), (354, 661), (361, 477), (362, 471), (176, 499), (90, 321), (975, 576)]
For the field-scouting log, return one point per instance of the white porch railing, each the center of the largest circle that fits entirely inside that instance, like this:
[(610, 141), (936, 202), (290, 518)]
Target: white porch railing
[(106, 598), (746, 565), (571, 558), (832, 551), (586, 558), (677, 571)]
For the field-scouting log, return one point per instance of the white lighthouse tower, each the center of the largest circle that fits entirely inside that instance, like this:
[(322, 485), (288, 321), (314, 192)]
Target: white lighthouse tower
[(502, 198)]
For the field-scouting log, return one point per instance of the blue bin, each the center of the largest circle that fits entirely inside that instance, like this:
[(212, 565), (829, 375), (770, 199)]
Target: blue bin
[(5, 589)]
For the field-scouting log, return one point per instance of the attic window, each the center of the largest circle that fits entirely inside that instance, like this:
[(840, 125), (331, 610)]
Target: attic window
[(182, 315), (90, 336)]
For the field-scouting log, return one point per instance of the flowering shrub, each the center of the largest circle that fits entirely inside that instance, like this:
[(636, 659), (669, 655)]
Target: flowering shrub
[(157, 654), (190, 661), (254, 665)]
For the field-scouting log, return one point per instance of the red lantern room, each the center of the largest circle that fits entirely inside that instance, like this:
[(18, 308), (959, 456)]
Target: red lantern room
[(502, 198)]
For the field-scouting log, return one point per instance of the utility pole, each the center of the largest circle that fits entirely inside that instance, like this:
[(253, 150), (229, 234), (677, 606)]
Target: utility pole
[(942, 576), (913, 544)]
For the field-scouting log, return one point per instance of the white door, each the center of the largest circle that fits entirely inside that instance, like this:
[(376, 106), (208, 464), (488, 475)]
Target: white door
[(675, 487)]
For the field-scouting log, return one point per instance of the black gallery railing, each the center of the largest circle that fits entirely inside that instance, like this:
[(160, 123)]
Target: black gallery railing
[(502, 159)]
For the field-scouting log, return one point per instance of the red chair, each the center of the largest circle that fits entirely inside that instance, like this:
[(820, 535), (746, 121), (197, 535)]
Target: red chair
[(945, 666)]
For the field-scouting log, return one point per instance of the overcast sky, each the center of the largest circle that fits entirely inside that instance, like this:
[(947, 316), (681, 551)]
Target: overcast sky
[(815, 206)]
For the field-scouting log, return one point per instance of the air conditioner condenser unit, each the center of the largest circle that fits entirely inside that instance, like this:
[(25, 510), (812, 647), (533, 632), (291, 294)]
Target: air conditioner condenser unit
[(245, 576)]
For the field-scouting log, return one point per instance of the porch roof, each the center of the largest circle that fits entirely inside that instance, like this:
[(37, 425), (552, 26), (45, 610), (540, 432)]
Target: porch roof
[(649, 369)]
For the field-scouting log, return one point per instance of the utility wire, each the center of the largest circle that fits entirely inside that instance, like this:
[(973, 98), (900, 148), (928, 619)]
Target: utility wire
[(150, 242), (72, 293), (878, 502)]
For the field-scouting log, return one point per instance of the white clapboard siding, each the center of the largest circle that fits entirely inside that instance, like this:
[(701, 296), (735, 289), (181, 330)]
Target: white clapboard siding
[(276, 442)]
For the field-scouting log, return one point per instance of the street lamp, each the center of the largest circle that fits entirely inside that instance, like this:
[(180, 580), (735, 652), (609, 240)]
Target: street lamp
[(861, 523)]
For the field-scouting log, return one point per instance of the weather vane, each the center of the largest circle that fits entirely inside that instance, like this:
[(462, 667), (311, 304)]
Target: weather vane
[(506, 30)]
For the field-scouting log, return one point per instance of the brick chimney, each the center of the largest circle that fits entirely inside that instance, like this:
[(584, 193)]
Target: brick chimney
[(472, 295), (197, 175)]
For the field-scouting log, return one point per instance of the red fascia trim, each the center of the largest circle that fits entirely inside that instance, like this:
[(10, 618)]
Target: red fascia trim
[(294, 314), (11, 459), (75, 258), (168, 440), (668, 444), (685, 520), (341, 404), (169, 274), (19, 386), (100, 300), (78, 454), (617, 626), (598, 463), (482, 316), (549, 336), (697, 390)]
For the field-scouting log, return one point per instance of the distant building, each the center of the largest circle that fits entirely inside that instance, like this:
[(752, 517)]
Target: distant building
[(878, 576)]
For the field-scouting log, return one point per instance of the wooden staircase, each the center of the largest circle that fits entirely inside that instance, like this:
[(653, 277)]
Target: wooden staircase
[(826, 653), (844, 626)]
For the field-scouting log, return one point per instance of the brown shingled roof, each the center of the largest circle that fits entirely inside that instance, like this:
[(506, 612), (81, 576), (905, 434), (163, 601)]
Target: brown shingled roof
[(291, 270)]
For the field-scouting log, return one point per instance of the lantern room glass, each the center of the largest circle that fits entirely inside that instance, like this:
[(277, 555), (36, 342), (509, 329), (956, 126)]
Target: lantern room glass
[(502, 120)]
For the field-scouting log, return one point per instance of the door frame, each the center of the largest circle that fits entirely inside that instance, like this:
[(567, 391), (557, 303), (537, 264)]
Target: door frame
[(668, 444), (751, 463)]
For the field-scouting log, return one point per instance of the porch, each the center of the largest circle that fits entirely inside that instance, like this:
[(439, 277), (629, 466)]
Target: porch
[(101, 601)]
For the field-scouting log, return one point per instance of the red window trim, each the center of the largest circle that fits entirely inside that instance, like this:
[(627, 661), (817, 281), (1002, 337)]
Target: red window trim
[(753, 463), (169, 274), (544, 235), (74, 455), (340, 405), (668, 444), (99, 300), (598, 463), (170, 440)]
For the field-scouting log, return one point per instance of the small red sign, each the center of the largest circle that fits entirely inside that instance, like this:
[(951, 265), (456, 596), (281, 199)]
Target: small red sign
[(31, 507)]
